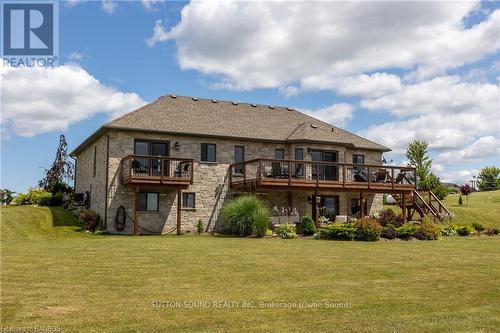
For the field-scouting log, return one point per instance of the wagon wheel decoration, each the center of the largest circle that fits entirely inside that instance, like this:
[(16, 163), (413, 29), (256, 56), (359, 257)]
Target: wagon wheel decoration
[(120, 219)]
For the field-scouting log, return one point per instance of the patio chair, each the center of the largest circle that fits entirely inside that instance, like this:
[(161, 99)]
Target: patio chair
[(360, 175), (400, 177), (381, 176)]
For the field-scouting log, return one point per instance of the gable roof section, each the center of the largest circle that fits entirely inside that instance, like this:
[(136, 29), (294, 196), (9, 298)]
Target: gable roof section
[(225, 119)]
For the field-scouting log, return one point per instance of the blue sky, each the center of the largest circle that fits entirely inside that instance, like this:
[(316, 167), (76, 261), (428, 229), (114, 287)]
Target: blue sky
[(391, 72)]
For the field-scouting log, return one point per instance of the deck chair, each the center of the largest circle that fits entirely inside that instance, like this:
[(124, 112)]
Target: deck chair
[(400, 177), (381, 176), (360, 175)]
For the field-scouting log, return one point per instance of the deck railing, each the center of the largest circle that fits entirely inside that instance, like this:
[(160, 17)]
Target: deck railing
[(272, 172), (156, 170)]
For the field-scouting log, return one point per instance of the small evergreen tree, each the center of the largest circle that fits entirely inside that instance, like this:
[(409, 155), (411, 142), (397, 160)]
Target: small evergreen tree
[(307, 226), (62, 169), (460, 200)]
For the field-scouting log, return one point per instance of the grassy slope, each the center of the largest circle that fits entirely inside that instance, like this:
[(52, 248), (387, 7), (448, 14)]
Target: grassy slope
[(56, 276), (484, 207)]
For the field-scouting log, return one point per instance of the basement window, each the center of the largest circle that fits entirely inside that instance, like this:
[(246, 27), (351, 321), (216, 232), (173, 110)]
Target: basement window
[(148, 201), (188, 200)]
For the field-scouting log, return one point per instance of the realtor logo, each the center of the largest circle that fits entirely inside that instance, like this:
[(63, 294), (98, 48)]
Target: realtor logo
[(28, 29), (30, 33)]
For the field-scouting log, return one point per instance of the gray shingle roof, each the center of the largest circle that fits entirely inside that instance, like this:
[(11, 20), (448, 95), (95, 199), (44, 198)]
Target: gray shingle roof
[(205, 117)]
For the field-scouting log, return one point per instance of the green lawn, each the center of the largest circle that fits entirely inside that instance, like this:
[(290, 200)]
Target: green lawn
[(53, 274), (483, 207)]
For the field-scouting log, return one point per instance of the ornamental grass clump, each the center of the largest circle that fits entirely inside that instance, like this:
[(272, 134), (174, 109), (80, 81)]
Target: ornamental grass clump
[(245, 215)]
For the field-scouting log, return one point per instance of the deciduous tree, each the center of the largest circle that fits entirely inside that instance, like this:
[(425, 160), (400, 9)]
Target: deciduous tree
[(417, 156), (488, 179), (62, 168)]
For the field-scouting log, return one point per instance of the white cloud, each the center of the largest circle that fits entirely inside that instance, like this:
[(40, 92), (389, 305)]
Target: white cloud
[(159, 34), (279, 44), (458, 177), (75, 56), (455, 117), (440, 95), (108, 6), (375, 85), (486, 146), (40, 100), (336, 114), (149, 5)]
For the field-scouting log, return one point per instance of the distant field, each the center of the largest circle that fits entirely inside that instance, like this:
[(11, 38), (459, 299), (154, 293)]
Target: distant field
[(53, 274), (484, 207)]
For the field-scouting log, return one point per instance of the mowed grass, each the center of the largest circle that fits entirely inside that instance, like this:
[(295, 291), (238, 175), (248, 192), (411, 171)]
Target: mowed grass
[(53, 274), (483, 207)]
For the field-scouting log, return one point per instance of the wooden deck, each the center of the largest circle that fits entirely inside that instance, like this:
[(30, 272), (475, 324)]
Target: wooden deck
[(139, 169), (309, 175)]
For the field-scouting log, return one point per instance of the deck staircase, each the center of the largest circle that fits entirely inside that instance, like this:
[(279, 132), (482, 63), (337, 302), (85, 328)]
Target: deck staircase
[(422, 203)]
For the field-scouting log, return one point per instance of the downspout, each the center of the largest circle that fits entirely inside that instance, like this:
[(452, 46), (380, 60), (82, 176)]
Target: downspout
[(106, 188)]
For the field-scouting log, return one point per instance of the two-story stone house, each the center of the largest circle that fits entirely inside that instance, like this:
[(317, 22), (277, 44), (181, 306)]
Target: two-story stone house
[(179, 159)]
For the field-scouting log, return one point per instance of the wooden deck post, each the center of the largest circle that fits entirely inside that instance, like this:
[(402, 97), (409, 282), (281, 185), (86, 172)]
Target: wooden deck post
[(315, 213), (404, 208), (362, 202), (179, 203), (136, 207)]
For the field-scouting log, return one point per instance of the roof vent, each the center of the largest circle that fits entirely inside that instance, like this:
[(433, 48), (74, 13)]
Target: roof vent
[(289, 109), (314, 126), (173, 96), (214, 101), (234, 103), (254, 105), (194, 98), (271, 107)]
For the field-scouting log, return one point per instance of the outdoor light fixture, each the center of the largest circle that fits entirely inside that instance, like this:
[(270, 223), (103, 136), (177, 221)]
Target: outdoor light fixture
[(177, 146), (384, 161)]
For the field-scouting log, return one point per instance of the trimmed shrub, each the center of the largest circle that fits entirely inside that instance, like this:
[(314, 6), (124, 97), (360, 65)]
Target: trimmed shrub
[(35, 196), (448, 230), (387, 216), (389, 232), (460, 200), (261, 221), (286, 231), (239, 215), (199, 226), (478, 227), (407, 231), (57, 199), (368, 229), (339, 231), (89, 219), (307, 226), (428, 230), (441, 191), (492, 231), (463, 230)]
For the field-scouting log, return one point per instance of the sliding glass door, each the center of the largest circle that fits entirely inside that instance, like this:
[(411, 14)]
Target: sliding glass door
[(326, 172)]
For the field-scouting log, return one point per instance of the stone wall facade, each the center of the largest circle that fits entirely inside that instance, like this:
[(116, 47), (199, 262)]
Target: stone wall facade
[(210, 180)]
